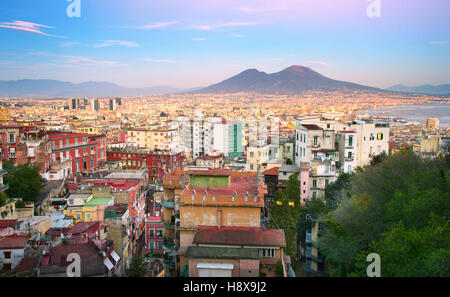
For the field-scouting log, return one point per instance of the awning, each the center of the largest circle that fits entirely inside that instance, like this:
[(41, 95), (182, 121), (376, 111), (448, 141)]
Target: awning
[(108, 263), (115, 256)]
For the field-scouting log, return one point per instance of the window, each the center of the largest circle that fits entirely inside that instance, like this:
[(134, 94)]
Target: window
[(7, 255), (380, 136), (1, 151), (314, 194), (314, 183), (316, 140), (151, 233), (350, 141), (159, 233), (88, 215), (11, 138), (327, 181), (12, 152), (78, 215), (268, 253)]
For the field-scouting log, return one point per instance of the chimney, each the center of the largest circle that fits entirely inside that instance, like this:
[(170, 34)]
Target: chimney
[(219, 218)]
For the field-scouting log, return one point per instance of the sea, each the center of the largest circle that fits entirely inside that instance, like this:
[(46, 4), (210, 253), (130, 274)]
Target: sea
[(414, 112)]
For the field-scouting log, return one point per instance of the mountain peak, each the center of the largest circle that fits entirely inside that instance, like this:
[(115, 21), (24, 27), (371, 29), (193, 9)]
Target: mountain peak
[(292, 80), (298, 68)]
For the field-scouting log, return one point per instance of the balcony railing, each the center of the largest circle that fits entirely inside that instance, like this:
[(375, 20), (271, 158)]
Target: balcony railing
[(168, 204)]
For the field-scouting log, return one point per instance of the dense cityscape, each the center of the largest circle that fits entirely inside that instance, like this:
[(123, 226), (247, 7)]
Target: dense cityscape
[(284, 174)]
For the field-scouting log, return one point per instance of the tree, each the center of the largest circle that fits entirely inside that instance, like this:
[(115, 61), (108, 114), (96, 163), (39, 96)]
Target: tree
[(3, 199), (19, 204), (137, 267), (286, 213), (398, 208), (25, 182)]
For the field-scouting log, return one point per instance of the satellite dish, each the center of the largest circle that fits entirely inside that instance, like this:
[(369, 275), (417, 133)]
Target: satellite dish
[(69, 235)]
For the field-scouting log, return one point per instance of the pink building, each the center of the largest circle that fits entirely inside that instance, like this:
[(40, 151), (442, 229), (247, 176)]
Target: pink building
[(154, 234)]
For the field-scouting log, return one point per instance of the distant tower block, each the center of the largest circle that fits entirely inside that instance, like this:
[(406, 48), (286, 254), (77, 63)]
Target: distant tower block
[(74, 103), (433, 123), (95, 105)]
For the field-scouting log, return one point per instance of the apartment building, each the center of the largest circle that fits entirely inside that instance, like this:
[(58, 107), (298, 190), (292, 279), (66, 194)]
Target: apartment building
[(25, 144), (228, 138), (373, 139), (316, 146), (258, 155), (347, 143), (219, 198), (82, 150), (158, 163)]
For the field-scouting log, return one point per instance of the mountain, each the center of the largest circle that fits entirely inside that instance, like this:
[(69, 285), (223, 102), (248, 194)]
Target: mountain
[(425, 89), (55, 88), (292, 80)]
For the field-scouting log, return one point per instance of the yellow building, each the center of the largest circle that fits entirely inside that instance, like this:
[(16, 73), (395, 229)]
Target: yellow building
[(93, 210), (3, 114), (151, 138)]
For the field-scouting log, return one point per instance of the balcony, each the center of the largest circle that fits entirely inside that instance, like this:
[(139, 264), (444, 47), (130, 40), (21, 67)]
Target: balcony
[(308, 238), (308, 251), (170, 226), (168, 204)]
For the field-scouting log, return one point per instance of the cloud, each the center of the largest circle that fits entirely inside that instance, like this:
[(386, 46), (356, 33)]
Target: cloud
[(317, 64), (27, 27), (223, 25), (198, 39), (440, 42), (159, 60), (69, 61), (150, 26), (107, 43)]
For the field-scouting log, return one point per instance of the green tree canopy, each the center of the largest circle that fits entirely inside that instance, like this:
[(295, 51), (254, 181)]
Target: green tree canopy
[(391, 208), (137, 267), (25, 182)]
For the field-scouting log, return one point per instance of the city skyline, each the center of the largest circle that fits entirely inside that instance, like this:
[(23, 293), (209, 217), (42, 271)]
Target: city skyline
[(187, 45)]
